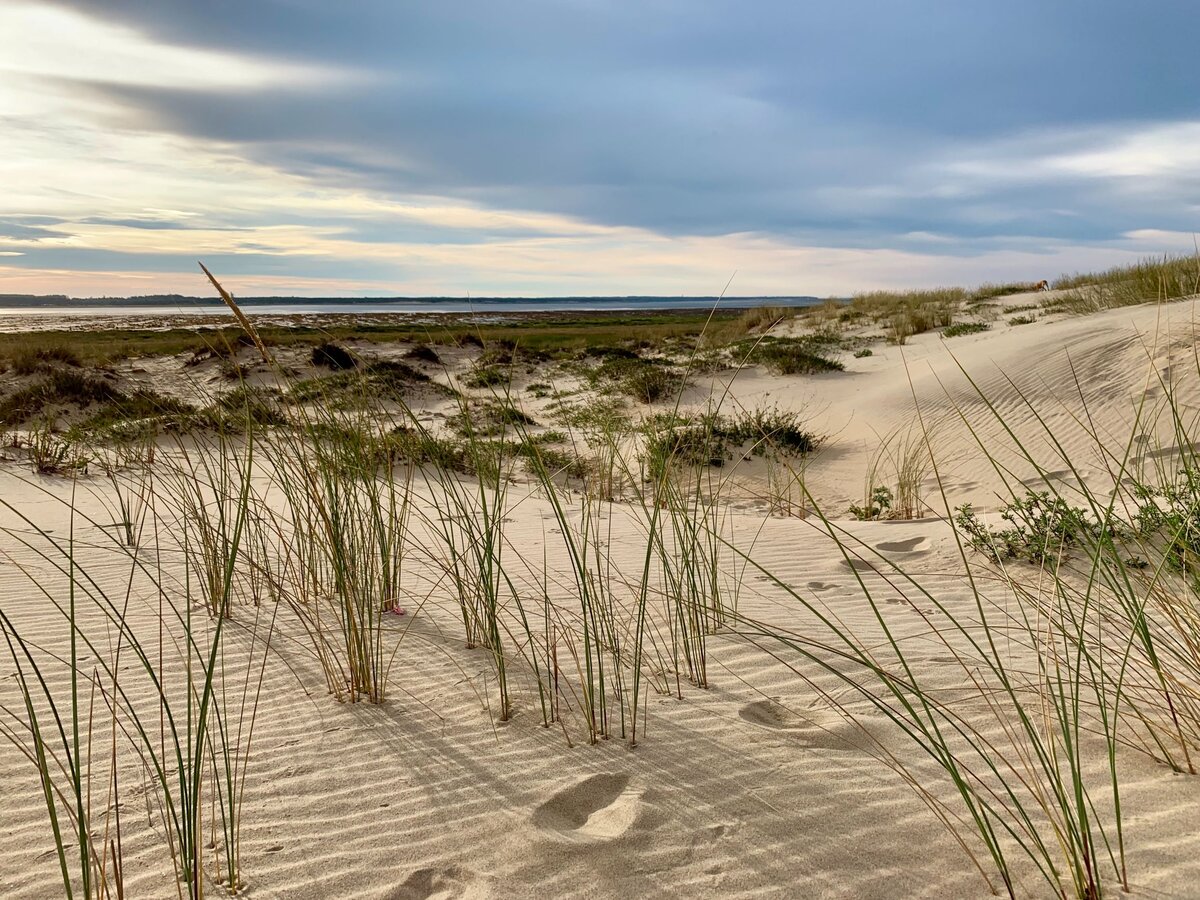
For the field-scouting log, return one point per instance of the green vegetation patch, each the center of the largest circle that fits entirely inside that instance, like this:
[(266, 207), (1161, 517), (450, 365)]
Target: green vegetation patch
[(960, 328), (713, 438)]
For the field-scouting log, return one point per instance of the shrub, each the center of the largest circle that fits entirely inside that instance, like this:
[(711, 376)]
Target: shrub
[(961, 328), (333, 357), (796, 357), (487, 377), (710, 439), (650, 383), (1040, 528), (423, 353)]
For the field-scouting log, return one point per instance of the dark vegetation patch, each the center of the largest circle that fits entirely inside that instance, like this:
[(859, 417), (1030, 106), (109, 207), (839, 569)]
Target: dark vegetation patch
[(423, 353), (32, 360), (65, 387), (645, 379), (333, 356), (807, 355), (490, 418), (713, 438), (362, 386)]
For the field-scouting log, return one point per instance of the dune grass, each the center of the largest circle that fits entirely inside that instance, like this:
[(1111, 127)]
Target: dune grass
[(1163, 278)]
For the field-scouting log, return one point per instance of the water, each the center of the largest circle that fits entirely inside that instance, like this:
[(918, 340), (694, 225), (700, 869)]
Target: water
[(38, 314)]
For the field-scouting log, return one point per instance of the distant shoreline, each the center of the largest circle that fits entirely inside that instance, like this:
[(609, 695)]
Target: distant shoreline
[(175, 304)]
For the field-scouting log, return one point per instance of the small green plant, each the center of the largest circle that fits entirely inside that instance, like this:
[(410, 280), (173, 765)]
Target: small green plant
[(1041, 528), (877, 506), (863, 353), (488, 377), (1022, 320)]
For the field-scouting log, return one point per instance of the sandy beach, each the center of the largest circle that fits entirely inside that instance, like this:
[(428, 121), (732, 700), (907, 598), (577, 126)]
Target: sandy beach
[(769, 751)]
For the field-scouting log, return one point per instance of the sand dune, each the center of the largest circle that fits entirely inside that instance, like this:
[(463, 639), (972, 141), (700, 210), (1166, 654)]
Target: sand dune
[(778, 780)]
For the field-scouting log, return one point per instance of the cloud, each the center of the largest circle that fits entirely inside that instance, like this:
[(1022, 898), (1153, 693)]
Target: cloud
[(48, 42), (442, 132)]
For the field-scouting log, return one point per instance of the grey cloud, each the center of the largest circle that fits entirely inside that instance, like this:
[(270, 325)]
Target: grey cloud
[(841, 122)]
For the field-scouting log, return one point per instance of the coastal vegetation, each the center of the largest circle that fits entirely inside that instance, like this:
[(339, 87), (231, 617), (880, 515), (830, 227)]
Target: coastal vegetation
[(326, 508)]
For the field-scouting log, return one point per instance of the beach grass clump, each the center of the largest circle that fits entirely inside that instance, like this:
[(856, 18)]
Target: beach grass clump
[(711, 438), (897, 470), (52, 453), (335, 553), (600, 415), (465, 528), (362, 386), (60, 388), (642, 378), (31, 360), (131, 417), (1023, 320), (796, 356), (990, 291), (1162, 278), (649, 384), (102, 722), (489, 417), (760, 319), (245, 407), (907, 313)]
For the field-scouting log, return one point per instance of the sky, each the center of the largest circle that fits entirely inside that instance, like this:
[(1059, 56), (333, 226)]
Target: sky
[(585, 147)]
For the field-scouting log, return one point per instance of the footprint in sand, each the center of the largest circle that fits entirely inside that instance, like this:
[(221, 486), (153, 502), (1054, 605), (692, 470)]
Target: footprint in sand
[(598, 808), (840, 735), (450, 883), (822, 585), (770, 714), (911, 545), (858, 565)]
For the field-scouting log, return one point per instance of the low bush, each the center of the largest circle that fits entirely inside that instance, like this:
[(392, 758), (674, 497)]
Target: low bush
[(1041, 528), (334, 357), (961, 328)]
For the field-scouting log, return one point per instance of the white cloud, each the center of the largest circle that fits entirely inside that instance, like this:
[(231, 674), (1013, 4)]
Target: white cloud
[(49, 42), (1146, 151)]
